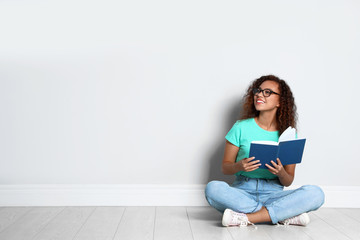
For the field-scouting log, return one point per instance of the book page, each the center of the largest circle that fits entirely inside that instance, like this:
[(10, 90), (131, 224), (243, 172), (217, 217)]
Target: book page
[(266, 142), (288, 134)]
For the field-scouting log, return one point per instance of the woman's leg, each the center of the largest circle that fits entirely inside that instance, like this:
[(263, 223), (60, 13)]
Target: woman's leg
[(260, 216), (222, 196), (291, 203)]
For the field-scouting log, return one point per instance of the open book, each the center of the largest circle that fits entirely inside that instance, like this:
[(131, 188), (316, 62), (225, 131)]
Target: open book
[(288, 149)]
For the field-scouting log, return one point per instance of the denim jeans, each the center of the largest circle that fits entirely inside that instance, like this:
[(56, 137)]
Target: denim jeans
[(249, 195)]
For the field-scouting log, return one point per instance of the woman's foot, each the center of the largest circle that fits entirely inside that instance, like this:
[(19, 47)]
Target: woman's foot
[(300, 220), (232, 218)]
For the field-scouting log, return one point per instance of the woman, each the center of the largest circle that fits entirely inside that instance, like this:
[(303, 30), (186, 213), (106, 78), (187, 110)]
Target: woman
[(257, 194)]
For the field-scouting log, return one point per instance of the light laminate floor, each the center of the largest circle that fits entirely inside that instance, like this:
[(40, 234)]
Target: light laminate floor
[(158, 223)]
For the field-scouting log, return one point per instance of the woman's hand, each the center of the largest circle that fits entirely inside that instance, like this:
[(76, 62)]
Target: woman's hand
[(277, 169), (248, 165), (285, 174)]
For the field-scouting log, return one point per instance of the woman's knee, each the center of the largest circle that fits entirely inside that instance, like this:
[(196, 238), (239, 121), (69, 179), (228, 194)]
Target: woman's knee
[(213, 188), (316, 195)]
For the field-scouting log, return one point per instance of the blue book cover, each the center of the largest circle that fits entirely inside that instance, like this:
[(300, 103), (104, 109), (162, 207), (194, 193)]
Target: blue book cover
[(289, 151)]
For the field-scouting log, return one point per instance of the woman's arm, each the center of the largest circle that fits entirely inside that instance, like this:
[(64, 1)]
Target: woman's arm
[(229, 164), (285, 173)]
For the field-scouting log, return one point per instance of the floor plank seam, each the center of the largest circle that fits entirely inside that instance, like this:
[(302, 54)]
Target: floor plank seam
[(52, 219), (154, 224), (22, 216), (82, 226), (117, 228), (356, 220), (232, 237), (187, 214), (334, 227), (306, 234)]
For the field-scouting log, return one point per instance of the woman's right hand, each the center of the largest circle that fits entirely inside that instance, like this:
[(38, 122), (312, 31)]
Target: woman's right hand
[(248, 165), (230, 166)]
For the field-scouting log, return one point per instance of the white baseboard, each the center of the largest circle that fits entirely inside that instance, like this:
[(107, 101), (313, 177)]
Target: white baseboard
[(102, 195), (139, 195)]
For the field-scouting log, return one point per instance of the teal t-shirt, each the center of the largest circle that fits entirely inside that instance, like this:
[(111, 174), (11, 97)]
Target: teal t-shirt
[(241, 135)]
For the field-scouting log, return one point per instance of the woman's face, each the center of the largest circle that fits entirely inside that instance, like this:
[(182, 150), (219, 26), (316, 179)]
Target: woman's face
[(270, 103)]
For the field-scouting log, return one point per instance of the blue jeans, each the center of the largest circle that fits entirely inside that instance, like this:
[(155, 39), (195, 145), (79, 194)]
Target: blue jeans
[(249, 195)]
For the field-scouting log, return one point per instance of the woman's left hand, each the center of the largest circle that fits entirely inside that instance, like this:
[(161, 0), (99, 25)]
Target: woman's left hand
[(276, 169)]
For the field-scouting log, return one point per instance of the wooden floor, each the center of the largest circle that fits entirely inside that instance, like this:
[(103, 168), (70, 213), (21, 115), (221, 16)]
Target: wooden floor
[(162, 223)]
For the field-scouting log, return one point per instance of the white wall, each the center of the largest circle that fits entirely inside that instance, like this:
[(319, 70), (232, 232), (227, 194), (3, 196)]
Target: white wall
[(144, 92)]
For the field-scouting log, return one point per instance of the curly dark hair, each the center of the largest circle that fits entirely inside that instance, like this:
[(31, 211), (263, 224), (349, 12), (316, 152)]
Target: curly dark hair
[(285, 115)]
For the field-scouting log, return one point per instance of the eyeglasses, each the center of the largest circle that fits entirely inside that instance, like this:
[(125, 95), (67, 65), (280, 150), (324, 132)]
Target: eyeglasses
[(266, 92)]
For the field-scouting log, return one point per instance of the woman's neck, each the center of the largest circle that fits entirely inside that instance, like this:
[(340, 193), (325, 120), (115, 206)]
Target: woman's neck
[(267, 121)]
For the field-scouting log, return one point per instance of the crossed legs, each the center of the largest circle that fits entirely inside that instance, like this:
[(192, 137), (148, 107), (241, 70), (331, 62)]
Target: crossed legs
[(275, 207)]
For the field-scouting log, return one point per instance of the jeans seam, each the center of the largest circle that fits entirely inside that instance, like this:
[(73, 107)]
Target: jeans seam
[(277, 202)]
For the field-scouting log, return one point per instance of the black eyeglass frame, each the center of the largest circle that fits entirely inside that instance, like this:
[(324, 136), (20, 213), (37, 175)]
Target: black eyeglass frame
[(258, 90)]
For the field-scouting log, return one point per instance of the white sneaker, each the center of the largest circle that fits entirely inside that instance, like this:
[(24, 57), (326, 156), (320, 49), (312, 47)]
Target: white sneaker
[(231, 218), (301, 220)]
